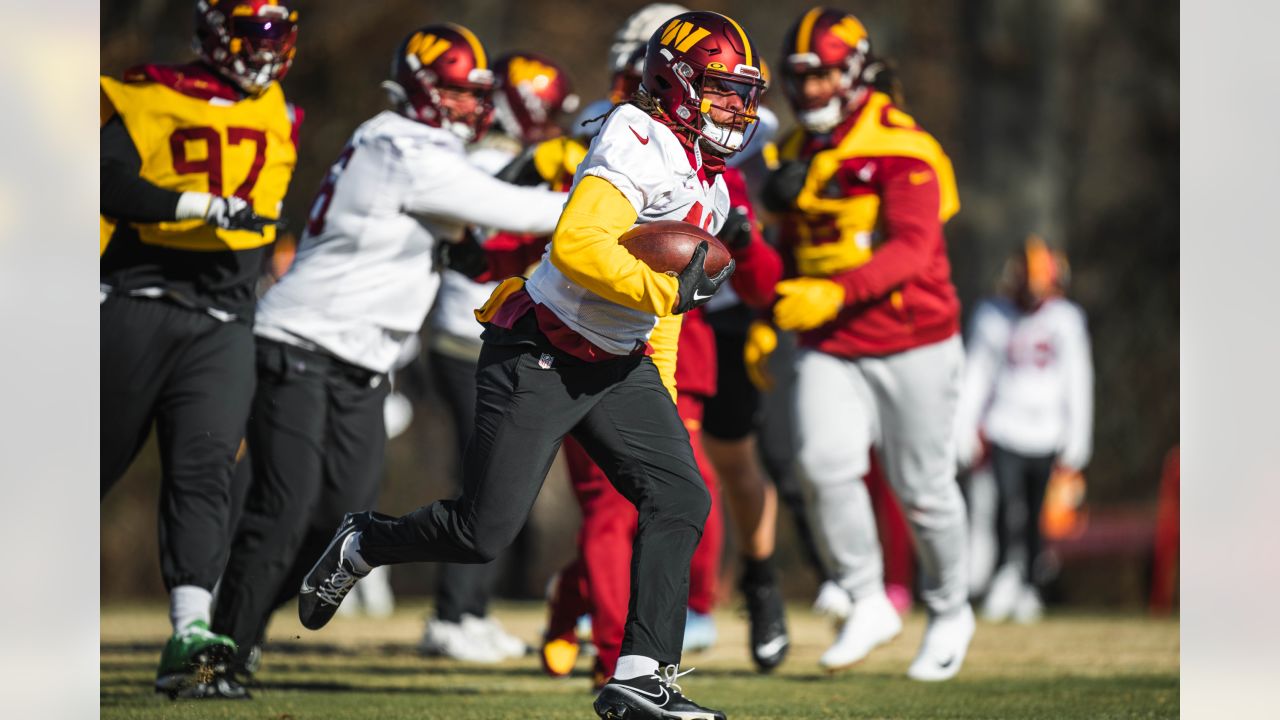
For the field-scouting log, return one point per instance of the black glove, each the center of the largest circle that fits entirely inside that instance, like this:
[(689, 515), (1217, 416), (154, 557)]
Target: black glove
[(233, 213), (466, 256), (695, 287), (736, 233), (784, 185), (522, 170)]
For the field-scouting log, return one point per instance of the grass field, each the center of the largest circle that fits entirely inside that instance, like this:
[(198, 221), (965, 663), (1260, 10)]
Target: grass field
[(1072, 666)]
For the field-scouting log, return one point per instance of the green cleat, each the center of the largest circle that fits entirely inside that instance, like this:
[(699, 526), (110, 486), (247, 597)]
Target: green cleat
[(193, 660)]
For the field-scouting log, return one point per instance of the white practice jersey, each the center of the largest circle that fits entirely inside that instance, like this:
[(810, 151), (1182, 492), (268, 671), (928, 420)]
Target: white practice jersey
[(645, 161), (459, 296), (363, 279), (1029, 381)]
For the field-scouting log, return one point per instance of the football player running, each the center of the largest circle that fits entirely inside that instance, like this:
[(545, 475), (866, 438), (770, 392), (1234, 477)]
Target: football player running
[(330, 331), (865, 193), (566, 353), (195, 162), (531, 94)]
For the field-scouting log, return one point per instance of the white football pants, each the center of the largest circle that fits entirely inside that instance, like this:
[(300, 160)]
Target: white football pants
[(904, 406)]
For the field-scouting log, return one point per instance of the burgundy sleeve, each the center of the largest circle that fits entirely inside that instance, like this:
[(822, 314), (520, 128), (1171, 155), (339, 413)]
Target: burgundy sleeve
[(759, 267), (510, 254), (909, 201)]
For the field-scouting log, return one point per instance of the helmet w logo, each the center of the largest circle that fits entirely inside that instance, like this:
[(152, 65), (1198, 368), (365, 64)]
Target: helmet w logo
[(683, 35), (427, 47)]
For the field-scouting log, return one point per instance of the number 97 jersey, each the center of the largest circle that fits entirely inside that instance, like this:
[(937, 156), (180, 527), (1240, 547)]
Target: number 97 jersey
[(223, 147)]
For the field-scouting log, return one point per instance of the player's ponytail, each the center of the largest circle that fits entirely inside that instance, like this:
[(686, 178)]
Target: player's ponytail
[(881, 74)]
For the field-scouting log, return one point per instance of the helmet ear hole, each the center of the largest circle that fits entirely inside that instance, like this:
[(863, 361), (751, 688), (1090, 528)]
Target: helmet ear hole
[(663, 84)]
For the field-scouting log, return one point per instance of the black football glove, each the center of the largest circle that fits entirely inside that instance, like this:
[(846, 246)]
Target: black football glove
[(696, 288), (233, 213), (466, 256), (736, 233), (783, 186)]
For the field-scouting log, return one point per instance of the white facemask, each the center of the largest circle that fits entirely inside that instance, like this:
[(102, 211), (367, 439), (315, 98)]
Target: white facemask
[(822, 119), (722, 138)]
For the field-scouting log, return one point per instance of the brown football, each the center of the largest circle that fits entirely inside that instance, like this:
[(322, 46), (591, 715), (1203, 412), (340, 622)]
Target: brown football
[(667, 246)]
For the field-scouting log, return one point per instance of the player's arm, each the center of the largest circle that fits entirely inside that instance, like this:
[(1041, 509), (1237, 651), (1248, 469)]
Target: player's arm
[(758, 266), (585, 248), (910, 200), (451, 188)]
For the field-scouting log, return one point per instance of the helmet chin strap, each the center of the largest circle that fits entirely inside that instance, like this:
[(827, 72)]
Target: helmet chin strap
[(723, 137)]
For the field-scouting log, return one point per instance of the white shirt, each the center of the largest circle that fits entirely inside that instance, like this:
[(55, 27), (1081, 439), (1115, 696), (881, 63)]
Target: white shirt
[(1028, 382), (645, 161), (363, 280), (459, 296)]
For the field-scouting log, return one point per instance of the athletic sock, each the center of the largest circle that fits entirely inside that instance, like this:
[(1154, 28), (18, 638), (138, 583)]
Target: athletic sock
[(352, 552), (187, 604), (758, 572), (634, 666)]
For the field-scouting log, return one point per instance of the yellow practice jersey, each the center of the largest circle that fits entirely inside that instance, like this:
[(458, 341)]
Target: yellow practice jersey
[(835, 227), (224, 147)]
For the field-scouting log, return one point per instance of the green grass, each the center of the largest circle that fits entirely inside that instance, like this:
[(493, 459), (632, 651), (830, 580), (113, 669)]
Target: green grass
[(1072, 666)]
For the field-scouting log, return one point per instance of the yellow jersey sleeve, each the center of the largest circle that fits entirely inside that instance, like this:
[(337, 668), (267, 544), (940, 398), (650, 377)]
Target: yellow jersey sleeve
[(585, 249)]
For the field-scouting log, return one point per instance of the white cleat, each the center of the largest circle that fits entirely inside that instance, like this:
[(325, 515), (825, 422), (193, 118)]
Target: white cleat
[(872, 622), (833, 601), (1028, 610), (1006, 588), (946, 641), (457, 641), (488, 629)]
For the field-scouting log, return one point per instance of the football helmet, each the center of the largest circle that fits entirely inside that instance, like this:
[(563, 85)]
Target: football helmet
[(440, 76), (702, 60), (249, 42), (531, 93), (637, 29), (1035, 273), (627, 79), (826, 39)]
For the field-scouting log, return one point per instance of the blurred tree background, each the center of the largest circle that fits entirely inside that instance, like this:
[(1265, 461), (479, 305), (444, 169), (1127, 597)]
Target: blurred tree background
[(1061, 117)]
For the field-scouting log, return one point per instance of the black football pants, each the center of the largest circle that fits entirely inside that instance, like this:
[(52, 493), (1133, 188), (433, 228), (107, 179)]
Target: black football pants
[(317, 442), (191, 375), (1022, 480), (527, 400)]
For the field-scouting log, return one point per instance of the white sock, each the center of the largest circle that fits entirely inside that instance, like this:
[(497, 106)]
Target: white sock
[(188, 603), (634, 666), (351, 551)]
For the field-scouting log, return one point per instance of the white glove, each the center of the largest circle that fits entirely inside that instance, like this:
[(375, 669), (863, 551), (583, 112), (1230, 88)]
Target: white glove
[(228, 213)]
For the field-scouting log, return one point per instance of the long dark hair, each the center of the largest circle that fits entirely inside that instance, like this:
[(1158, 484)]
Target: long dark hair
[(881, 74)]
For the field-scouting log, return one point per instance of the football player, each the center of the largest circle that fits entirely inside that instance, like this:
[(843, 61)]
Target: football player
[(195, 162), (567, 352), (329, 332), (1028, 390), (531, 94), (865, 193)]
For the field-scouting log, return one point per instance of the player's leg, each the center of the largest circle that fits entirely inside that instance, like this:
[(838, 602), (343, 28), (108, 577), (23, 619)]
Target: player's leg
[(605, 539), (1039, 468), (134, 360), (1011, 514), (287, 440), (916, 393), (730, 442), (200, 422), (704, 571), (461, 589), (635, 435), (522, 413), (835, 425)]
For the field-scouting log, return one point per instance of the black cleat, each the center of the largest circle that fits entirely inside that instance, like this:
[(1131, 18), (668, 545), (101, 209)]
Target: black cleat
[(651, 697), (769, 639), (332, 577), (222, 687)]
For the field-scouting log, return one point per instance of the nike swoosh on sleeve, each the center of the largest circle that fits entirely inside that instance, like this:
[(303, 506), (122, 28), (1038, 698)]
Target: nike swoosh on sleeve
[(643, 140)]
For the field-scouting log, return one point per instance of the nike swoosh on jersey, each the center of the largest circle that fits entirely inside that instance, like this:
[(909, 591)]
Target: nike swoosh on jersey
[(773, 647), (643, 140), (920, 177)]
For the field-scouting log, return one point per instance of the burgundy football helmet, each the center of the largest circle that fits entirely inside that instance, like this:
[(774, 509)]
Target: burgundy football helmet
[(700, 60), (821, 40), (440, 76), (531, 94), (249, 42)]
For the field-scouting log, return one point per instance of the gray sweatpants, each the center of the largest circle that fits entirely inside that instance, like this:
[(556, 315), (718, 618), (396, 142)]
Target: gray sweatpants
[(904, 406)]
